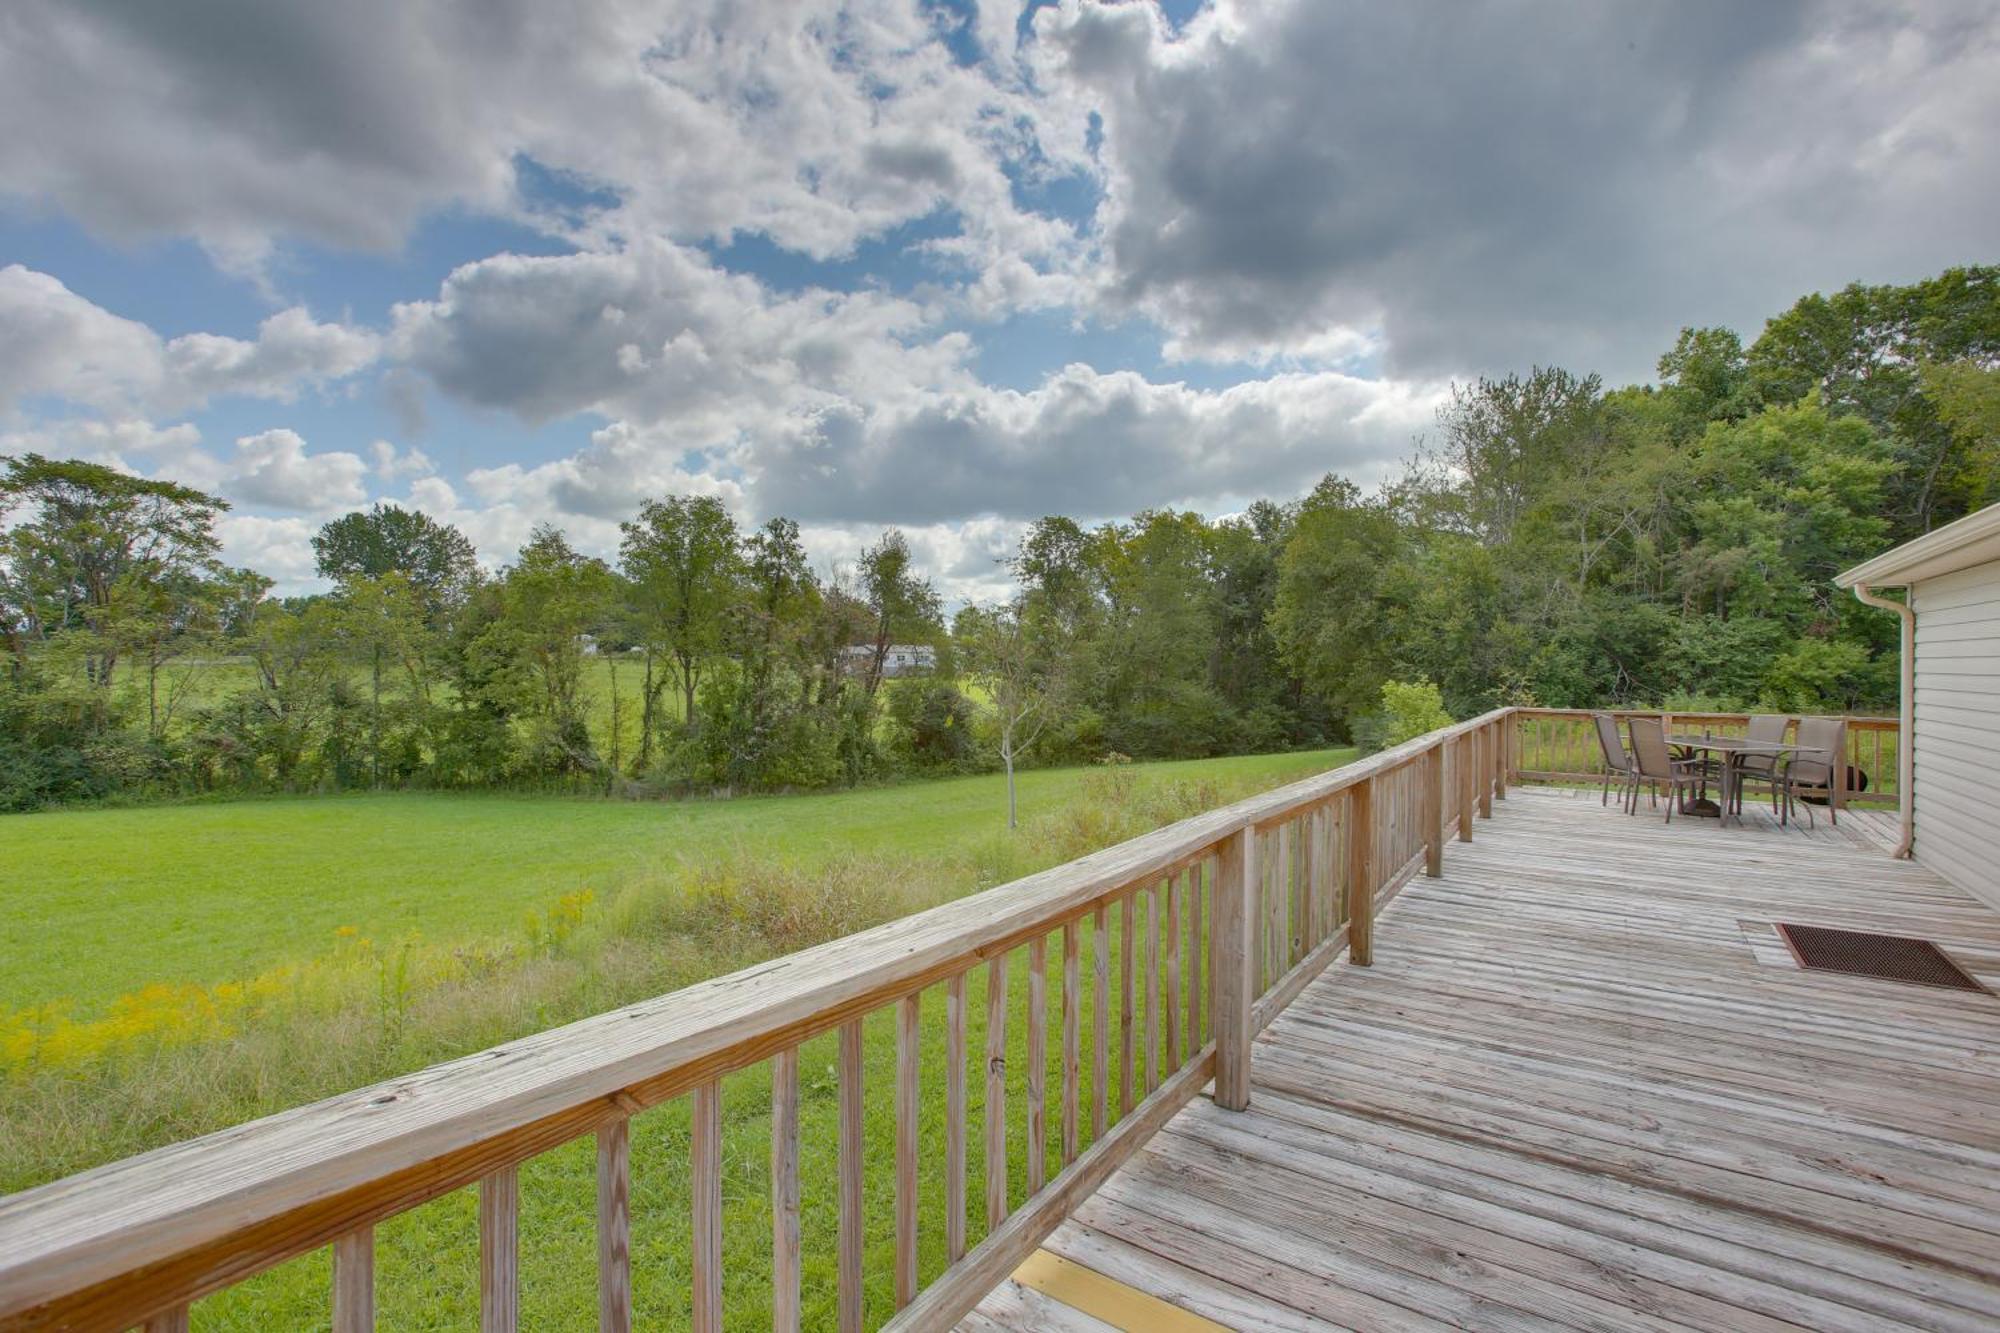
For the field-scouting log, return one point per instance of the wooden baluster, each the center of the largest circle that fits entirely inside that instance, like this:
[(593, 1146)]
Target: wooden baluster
[(1284, 917), (1038, 1062), (169, 1321), (1434, 810), (908, 1058), (1486, 771), (1467, 763), (1194, 957), (354, 1282), (1152, 897), (1504, 745), (705, 1212), (1100, 1024), (1232, 964), (1127, 943), (1361, 872), (954, 1118), (614, 1226), (499, 1251), (850, 1172), (785, 1191), (1173, 993), (996, 1092), (1072, 1040)]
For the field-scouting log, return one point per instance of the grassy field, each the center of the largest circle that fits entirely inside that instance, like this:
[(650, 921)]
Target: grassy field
[(103, 902), (119, 899)]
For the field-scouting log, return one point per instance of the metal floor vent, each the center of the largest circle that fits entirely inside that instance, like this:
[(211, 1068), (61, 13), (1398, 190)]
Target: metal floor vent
[(1864, 954)]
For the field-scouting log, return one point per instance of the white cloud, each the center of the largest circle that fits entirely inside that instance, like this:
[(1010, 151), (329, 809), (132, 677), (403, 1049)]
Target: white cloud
[(278, 548), (816, 122), (391, 464), (275, 470), (56, 344), (291, 352)]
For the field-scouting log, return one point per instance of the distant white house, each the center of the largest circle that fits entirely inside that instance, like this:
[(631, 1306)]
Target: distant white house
[(903, 659)]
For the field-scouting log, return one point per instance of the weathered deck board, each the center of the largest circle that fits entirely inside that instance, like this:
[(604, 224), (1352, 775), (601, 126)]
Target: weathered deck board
[(1569, 1093)]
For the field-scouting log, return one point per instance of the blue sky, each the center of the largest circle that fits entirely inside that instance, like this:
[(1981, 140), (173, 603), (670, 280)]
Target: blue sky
[(940, 264)]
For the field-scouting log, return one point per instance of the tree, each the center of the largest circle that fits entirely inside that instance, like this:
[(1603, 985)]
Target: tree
[(681, 559), (1508, 438), (436, 559), (1023, 673), (389, 561), (1328, 617), (530, 655), (75, 537), (901, 601), (1861, 351)]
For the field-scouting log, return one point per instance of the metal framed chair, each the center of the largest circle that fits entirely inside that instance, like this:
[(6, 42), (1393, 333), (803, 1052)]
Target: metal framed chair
[(1823, 743), (1617, 763), (1762, 767), (1653, 761)]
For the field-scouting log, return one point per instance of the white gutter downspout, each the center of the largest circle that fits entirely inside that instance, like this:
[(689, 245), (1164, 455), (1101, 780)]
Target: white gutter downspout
[(1906, 750)]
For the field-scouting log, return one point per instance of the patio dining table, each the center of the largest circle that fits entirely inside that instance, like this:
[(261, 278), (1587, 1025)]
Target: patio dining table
[(1731, 750)]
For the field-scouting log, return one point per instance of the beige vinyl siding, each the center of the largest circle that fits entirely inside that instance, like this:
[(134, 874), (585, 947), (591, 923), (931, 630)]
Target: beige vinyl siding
[(1958, 728)]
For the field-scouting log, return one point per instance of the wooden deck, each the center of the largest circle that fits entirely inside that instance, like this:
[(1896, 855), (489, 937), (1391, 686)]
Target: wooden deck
[(1584, 1086)]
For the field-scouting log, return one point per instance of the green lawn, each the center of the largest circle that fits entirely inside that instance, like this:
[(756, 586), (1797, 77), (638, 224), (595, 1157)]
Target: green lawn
[(98, 903)]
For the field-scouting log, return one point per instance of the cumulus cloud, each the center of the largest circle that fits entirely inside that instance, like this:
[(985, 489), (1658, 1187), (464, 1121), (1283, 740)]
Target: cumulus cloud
[(274, 469), (1088, 443), (1508, 184), (816, 122), (55, 344)]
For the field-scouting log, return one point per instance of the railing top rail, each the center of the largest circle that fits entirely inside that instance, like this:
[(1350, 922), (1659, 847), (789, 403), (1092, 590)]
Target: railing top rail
[(296, 1179), (1862, 719)]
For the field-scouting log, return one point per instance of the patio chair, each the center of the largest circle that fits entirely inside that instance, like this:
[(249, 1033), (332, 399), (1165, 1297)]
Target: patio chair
[(1654, 762), (1809, 772), (1617, 763), (1762, 767)]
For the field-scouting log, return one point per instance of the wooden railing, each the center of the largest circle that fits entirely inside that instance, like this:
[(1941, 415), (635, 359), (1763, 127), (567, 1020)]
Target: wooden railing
[(1216, 923), (1560, 745)]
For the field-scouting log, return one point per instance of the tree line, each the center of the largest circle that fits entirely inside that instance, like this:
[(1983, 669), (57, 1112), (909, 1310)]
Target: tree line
[(1550, 542)]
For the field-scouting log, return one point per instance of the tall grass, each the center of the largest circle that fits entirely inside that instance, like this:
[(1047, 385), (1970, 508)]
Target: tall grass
[(370, 1010), (169, 1062)]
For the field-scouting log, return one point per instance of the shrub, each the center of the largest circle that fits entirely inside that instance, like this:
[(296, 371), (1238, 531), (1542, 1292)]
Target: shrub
[(1409, 709)]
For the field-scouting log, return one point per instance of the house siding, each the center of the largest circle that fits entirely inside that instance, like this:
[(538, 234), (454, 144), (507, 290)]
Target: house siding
[(1957, 754)]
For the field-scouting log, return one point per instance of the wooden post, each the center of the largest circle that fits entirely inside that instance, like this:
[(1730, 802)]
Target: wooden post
[(614, 1227), (1503, 749), (850, 1167), (954, 1119), (1434, 810), (1072, 1040), (785, 1191), (996, 1091), (499, 1252), (1361, 872), (1038, 1062), (1234, 917), (1466, 749), (705, 1226), (354, 1281), (1100, 1023), (908, 1057), (1486, 771)]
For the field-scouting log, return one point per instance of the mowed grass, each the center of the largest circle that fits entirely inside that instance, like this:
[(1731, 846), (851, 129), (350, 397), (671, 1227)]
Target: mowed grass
[(100, 903)]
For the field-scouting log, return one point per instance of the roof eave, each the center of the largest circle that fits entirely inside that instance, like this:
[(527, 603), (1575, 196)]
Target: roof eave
[(1972, 540)]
